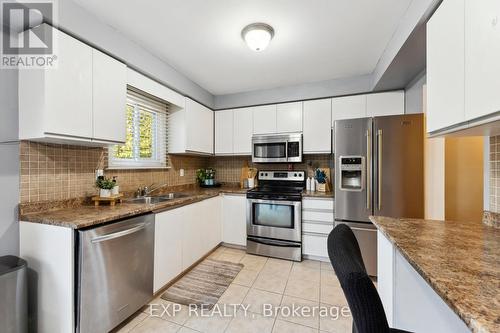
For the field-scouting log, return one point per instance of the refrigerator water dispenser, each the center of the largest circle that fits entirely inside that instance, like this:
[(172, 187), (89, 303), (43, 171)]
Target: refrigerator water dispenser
[(352, 173)]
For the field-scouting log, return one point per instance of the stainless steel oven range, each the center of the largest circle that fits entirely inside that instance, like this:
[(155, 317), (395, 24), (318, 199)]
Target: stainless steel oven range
[(274, 215)]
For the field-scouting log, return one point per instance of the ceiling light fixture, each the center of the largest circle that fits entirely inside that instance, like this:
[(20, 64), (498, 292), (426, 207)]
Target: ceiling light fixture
[(257, 36)]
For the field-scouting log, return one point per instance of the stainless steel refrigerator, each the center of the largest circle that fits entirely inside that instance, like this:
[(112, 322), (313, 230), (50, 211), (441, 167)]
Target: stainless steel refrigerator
[(378, 171)]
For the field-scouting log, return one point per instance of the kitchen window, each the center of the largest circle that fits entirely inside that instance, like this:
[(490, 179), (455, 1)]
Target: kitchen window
[(146, 139)]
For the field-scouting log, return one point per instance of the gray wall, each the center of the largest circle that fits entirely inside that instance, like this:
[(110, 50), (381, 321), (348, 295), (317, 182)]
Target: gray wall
[(338, 87), (414, 94), (9, 165)]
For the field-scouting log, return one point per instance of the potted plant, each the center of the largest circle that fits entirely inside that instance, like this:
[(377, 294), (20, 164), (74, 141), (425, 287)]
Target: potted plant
[(210, 175), (105, 185), (201, 175), (321, 178)]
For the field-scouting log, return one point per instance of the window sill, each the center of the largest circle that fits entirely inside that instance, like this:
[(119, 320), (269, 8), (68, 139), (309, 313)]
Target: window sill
[(137, 168)]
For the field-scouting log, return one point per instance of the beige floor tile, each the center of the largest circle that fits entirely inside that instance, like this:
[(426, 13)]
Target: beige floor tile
[(309, 320), (277, 267), (281, 326), (155, 325), (185, 329), (234, 294), (167, 310), (312, 264), (231, 257), (250, 323), (252, 262), (210, 324), (329, 278), (333, 295), (326, 266), (306, 289), (271, 282), (256, 299), (336, 323), (131, 323), (304, 273), (246, 277), (234, 251)]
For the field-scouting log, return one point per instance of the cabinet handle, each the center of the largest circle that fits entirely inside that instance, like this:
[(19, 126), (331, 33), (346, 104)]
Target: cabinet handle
[(368, 169), (380, 144)]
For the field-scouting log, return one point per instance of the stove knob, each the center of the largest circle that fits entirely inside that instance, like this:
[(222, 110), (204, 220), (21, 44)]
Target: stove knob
[(295, 175), (266, 174)]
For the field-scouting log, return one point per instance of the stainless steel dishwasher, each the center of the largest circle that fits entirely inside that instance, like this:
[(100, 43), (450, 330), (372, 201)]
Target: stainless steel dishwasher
[(115, 272)]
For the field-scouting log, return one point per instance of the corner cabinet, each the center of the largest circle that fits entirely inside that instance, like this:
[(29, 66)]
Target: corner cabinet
[(82, 100), (191, 129)]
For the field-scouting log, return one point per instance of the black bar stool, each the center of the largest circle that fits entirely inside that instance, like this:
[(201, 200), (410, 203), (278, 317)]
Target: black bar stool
[(362, 296)]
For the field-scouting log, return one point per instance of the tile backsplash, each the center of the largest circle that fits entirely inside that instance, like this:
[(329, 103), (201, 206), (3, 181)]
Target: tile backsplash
[(59, 172), (228, 169), (495, 174)]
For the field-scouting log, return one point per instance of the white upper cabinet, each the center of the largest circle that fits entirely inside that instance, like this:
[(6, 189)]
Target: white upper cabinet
[(482, 57), (109, 91), (191, 129), (463, 71), (264, 119), (224, 123), (78, 101), (348, 107), (445, 66), (243, 129), (385, 104), (289, 117), (317, 132)]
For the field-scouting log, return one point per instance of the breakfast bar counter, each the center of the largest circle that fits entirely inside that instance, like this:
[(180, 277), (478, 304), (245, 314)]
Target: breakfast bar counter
[(459, 261)]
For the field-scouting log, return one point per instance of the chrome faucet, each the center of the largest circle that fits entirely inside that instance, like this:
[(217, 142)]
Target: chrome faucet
[(147, 190)]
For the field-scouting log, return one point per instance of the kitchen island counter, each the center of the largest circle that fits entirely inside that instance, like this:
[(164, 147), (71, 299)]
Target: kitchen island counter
[(460, 261)]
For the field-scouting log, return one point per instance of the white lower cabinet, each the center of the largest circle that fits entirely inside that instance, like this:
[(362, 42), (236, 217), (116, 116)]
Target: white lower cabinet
[(317, 223), (168, 246), (183, 236), (234, 224), (407, 297)]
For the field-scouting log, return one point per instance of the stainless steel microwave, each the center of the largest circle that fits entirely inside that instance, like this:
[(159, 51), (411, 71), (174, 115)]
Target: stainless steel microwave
[(277, 148)]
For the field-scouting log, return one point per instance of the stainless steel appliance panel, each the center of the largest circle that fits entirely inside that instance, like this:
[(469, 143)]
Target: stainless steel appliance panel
[(276, 219), (366, 235), (277, 148), (274, 248), (115, 269), (353, 138), (399, 165)]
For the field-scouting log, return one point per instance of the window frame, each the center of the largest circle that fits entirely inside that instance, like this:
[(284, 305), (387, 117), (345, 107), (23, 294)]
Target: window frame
[(158, 160)]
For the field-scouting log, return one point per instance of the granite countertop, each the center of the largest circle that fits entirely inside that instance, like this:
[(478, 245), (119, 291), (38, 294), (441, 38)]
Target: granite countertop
[(459, 260), (76, 215), (309, 194)]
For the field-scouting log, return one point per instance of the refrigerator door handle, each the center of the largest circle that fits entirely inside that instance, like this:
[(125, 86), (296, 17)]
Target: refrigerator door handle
[(379, 159), (368, 169)]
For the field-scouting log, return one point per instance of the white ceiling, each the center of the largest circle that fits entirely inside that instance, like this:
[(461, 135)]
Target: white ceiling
[(314, 40)]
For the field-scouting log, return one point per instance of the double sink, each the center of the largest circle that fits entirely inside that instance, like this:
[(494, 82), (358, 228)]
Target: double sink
[(154, 199)]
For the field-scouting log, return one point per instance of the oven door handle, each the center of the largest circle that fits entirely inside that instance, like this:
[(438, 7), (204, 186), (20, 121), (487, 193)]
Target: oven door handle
[(276, 202), (272, 242)]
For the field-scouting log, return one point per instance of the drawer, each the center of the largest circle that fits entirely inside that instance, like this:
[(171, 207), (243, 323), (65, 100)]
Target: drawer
[(317, 216), (314, 245), (322, 228), (322, 204)]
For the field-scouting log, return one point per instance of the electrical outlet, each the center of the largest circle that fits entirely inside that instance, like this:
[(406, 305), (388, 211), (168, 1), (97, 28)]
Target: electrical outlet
[(181, 172)]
